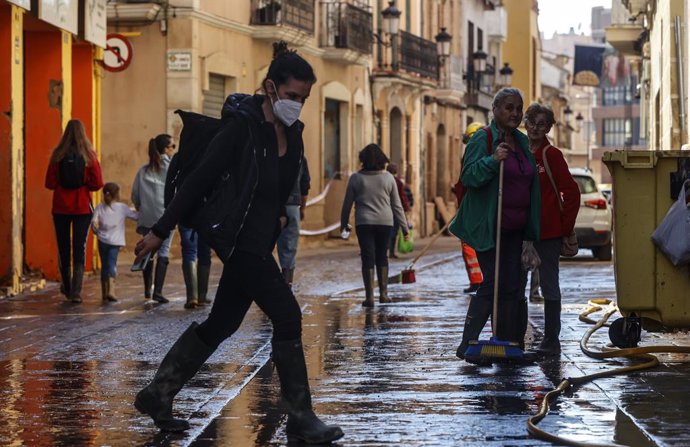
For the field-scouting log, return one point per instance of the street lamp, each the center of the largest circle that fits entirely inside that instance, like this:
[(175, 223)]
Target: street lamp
[(506, 75), (479, 61), (391, 18), (567, 113), (579, 118), (443, 40)]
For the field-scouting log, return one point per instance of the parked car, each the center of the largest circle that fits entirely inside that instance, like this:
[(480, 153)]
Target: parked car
[(607, 191), (594, 223)]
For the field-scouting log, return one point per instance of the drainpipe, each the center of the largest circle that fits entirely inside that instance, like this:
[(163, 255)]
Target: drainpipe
[(681, 79)]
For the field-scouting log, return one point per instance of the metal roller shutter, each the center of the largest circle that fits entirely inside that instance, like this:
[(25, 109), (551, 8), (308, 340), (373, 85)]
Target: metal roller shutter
[(214, 96)]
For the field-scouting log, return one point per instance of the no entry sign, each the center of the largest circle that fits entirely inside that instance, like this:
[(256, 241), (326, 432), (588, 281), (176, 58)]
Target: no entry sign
[(118, 53)]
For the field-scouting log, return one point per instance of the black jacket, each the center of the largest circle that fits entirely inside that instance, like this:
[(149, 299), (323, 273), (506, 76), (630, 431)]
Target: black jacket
[(228, 175)]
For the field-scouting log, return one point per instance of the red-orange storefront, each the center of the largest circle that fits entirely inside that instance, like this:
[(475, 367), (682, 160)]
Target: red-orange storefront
[(49, 74)]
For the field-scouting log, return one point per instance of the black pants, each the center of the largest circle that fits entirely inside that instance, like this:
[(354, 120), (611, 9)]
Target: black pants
[(373, 244), (511, 275), (76, 225), (251, 278)]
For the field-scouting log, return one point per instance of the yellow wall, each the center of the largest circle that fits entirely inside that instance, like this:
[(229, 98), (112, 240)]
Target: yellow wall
[(522, 47)]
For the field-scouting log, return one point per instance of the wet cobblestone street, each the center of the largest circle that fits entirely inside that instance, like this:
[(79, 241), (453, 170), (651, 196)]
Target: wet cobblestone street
[(388, 375)]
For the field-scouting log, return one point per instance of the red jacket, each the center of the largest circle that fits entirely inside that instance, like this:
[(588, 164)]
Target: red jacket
[(401, 192), (555, 223), (74, 201)]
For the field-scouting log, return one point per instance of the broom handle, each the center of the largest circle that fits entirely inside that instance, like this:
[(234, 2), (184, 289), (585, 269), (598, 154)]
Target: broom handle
[(499, 218), (428, 245)]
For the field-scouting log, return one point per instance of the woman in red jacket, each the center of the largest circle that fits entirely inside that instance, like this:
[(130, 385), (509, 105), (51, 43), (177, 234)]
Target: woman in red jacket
[(72, 174), (560, 202)]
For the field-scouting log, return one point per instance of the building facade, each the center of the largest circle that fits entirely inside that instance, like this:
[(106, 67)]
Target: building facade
[(654, 34), (49, 74), (191, 56)]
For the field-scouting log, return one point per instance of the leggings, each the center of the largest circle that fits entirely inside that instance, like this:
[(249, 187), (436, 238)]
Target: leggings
[(248, 278), (373, 244), (71, 231)]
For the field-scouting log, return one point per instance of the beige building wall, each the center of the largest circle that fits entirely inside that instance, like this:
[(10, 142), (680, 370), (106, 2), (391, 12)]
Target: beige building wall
[(664, 124), (140, 101)]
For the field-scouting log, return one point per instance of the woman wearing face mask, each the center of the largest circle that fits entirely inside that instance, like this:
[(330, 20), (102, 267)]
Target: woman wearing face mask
[(264, 173), (477, 217)]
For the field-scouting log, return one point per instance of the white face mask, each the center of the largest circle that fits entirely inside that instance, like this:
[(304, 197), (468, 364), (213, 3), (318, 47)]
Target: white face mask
[(286, 110)]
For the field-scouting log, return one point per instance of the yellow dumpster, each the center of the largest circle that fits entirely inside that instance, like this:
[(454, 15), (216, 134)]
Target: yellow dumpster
[(650, 290)]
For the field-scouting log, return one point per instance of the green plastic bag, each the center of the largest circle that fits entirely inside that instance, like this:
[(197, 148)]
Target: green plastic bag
[(405, 246)]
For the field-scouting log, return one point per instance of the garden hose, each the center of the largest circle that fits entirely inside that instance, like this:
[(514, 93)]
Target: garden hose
[(648, 361)]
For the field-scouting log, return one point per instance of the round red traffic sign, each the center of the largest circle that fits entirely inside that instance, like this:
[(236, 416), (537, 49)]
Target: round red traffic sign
[(118, 53)]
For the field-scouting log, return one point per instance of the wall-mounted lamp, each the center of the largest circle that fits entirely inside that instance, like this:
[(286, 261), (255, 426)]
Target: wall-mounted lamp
[(390, 26), (443, 40), (567, 113), (506, 74), (479, 61), (391, 18)]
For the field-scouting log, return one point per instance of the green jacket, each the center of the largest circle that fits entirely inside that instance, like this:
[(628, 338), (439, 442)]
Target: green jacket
[(475, 222)]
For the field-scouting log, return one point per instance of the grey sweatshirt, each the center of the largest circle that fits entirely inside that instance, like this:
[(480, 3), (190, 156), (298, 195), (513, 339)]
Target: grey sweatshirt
[(148, 192), (376, 200)]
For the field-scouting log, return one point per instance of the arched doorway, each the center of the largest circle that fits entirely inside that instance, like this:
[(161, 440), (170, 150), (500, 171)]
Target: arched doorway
[(396, 137), (442, 174)]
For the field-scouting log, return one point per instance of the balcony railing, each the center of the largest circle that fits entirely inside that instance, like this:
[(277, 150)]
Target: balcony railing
[(418, 55), (296, 13), (347, 26)]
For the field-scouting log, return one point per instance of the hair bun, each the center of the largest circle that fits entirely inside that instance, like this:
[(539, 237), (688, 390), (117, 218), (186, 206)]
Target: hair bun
[(280, 48)]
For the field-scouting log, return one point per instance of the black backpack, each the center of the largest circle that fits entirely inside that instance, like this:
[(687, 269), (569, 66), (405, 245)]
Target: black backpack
[(197, 132), (71, 171)]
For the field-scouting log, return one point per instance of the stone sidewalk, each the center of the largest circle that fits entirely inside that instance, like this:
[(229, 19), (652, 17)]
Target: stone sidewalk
[(388, 375)]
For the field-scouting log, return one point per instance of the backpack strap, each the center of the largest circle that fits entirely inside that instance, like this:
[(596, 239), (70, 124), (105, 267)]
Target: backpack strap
[(548, 172)]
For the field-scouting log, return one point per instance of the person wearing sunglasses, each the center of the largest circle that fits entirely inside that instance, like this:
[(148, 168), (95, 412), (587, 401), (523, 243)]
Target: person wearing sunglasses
[(477, 220), (560, 203), (148, 191)]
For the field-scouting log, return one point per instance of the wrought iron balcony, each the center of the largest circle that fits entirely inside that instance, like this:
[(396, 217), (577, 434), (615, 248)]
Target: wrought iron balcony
[(417, 55), (347, 25), (294, 13)]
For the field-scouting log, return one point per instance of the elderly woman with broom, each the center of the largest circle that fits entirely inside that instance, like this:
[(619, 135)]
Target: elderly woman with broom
[(500, 209)]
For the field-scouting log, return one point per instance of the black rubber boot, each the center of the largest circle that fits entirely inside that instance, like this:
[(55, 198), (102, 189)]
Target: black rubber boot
[(111, 290), (178, 366), (159, 280), (368, 279), (75, 286), (510, 321), (191, 284), (382, 276), (551, 344), (471, 289), (66, 279), (302, 423), (148, 279), (478, 313), (203, 272)]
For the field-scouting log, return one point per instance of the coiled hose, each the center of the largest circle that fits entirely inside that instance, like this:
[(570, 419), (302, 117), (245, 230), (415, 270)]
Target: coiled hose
[(643, 354)]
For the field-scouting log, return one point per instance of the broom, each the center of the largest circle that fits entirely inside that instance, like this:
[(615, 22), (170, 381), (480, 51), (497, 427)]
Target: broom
[(488, 351), (407, 276)]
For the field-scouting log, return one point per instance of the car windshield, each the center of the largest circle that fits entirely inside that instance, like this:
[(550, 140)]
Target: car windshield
[(586, 184)]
